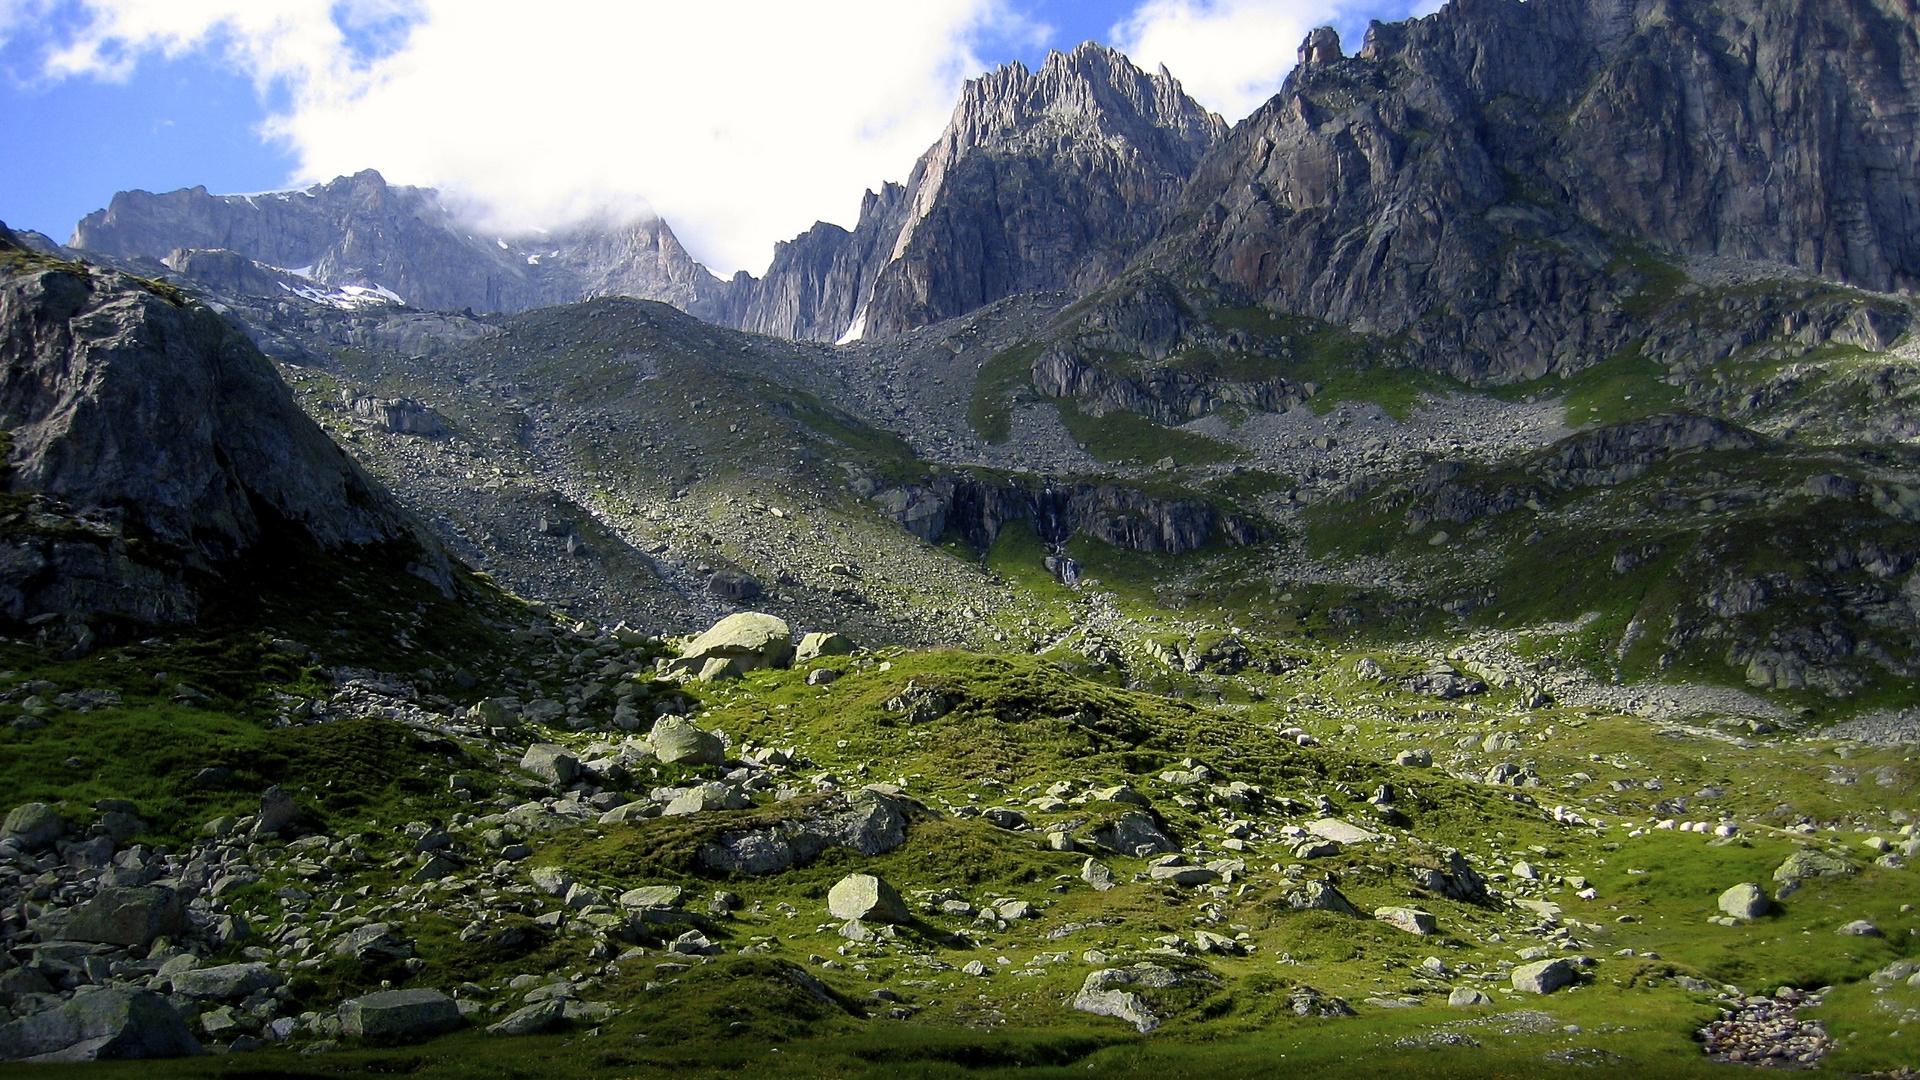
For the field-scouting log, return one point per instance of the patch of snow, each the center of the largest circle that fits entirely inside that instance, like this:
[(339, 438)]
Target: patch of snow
[(502, 243), (533, 260), (856, 331)]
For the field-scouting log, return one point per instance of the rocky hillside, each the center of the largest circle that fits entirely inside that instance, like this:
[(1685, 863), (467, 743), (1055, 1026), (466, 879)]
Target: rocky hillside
[(147, 440)]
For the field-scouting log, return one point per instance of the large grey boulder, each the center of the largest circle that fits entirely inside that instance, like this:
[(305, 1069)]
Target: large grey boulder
[(34, 825), (1319, 896), (1411, 920), (675, 739), (132, 917), (373, 943), (228, 982), (103, 1025), (868, 899), (816, 645), (750, 640), (1341, 832), (1745, 901), (868, 822), (1101, 993), (532, 1019), (1544, 976), (1810, 862), (399, 1015), (1135, 833), (551, 763), (277, 811)]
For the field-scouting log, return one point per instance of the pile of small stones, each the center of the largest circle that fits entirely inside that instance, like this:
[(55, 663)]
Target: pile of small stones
[(1763, 1030)]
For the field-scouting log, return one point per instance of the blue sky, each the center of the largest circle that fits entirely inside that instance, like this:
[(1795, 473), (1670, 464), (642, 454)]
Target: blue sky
[(584, 108)]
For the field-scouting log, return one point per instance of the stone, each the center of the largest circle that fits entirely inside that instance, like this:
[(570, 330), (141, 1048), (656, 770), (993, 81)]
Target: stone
[(374, 943), (1097, 875), (1342, 832), (1100, 996), (34, 826), (1135, 833), (532, 1019), (638, 810), (1859, 928), (119, 826), (1411, 920), (399, 1015), (551, 880), (1175, 870), (675, 740), (1810, 862), (719, 669), (1319, 896), (108, 1024), (734, 585), (1307, 1001), (228, 982), (816, 645), (867, 898), (1414, 759), (1464, 997), (277, 811), (1120, 794), (652, 896), (551, 763), (822, 677), (132, 917), (1745, 901), (751, 639), (1544, 976), (1004, 817)]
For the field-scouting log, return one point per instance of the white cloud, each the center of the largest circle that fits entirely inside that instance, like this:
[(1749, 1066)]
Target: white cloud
[(740, 122), (1232, 55)]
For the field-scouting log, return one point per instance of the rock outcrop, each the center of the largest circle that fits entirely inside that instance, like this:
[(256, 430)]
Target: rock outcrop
[(1475, 182), (1122, 516), (148, 437)]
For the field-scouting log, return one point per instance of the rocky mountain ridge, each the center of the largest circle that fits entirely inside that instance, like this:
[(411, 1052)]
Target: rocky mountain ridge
[(1048, 179)]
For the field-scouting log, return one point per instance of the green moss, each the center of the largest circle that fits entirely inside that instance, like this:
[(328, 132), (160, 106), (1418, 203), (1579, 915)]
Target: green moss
[(1121, 436), (990, 410)]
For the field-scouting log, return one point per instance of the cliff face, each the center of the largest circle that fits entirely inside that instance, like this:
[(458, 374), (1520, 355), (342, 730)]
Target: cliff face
[(1477, 180), (147, 438)]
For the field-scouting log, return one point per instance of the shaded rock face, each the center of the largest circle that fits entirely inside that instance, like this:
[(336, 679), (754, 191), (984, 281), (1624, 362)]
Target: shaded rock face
[(1459, 182), (1122, 516), (140, 417)]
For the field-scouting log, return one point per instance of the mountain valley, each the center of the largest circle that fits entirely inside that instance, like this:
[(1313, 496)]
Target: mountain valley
[(1425, 578)]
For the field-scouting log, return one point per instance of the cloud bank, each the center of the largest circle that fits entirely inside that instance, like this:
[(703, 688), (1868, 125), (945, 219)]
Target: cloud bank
[(740, 123)]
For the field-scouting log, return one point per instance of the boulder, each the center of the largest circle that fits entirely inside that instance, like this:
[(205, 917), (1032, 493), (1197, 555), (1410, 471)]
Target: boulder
[(1467, 997), (652, 896), (1859, 928), (867, 898), (551, 763), (228, 982), (34, 826), (1341, 832), (1319, 896), (1097, 875), (277, 811), (535, 1018), (751, 639), (1809, 862), (1745, 901), (1135, 833), (734, 585), (1412, 920), (816, 645), (868, 822), (132, 917), (1544, 976), (108, 1024), (399, 1015), (675, 739), (373, 943), (1101, 995)]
